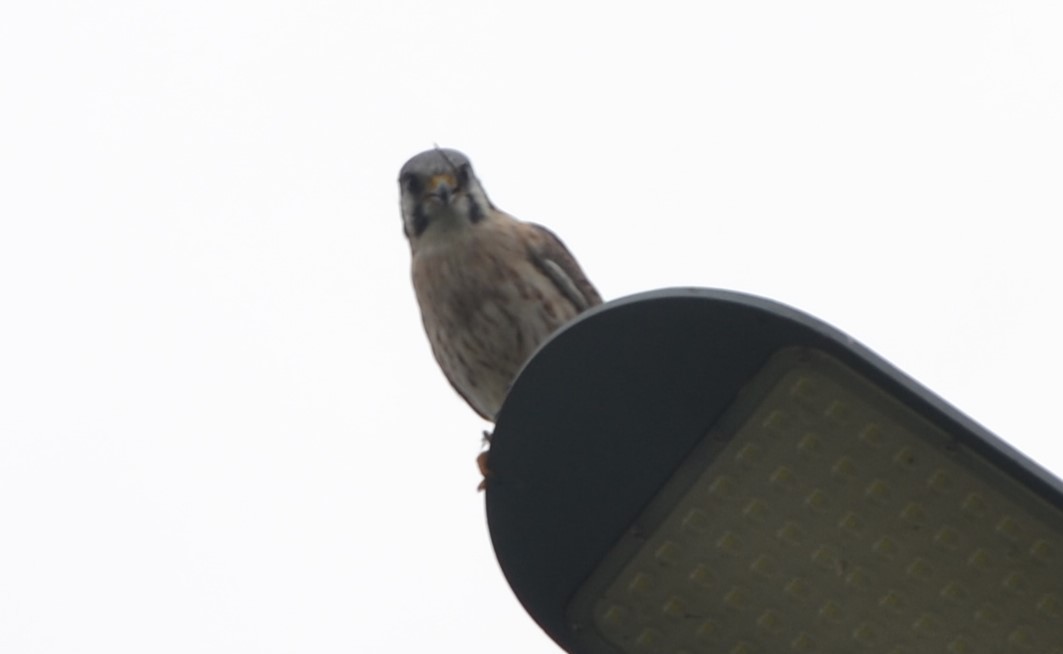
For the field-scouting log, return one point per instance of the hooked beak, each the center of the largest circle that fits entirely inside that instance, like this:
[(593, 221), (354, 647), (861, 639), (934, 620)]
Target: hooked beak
[(442, 187)]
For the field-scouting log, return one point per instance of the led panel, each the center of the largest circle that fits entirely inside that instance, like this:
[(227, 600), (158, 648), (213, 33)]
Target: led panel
[(822, 516)]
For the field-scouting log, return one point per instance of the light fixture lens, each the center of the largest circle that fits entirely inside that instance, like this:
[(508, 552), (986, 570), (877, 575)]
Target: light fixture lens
[(821, 515)]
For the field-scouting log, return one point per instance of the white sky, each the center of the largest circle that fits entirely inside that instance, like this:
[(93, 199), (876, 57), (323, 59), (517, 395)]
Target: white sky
[(221, 428)]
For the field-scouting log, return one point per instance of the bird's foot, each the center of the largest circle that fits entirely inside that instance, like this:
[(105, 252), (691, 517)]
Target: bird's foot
[(481, 463)]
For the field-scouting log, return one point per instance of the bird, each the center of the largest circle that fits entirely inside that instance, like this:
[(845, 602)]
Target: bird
[(491, 288)]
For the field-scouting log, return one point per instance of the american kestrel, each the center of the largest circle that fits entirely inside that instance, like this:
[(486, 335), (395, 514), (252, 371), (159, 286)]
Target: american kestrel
[(491, 288)]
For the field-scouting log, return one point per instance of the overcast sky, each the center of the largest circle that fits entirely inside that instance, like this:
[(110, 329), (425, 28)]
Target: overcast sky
[(221, 427)]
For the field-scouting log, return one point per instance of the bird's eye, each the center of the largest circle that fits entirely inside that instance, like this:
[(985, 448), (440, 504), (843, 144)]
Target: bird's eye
[(464, 174), (411, 183)]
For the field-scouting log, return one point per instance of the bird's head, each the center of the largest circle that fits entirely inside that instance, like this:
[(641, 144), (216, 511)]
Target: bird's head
[(440, 192)]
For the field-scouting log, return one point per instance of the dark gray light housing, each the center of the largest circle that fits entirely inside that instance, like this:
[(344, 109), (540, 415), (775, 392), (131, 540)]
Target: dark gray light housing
[(694, 470)]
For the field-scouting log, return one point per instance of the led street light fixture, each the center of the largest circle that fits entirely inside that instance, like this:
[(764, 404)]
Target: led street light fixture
[(699, 471)]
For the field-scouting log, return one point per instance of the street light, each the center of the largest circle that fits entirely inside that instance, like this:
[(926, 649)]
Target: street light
[(696, 470)]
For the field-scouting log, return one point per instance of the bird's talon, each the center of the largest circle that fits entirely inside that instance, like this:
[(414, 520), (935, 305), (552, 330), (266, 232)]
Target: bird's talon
[(481, 463)]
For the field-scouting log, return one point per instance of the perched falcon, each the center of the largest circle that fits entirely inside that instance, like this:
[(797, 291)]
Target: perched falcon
[(491, 288)]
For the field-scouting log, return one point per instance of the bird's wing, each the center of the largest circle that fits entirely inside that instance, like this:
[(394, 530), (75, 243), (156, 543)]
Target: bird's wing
[(465, 396), (551, 256)]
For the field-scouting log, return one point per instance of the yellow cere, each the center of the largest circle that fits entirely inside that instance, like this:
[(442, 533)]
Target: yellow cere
[(833, 520), (443, 179)]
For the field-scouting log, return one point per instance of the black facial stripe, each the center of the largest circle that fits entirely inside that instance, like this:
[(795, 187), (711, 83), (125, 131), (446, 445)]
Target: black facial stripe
[(420, 220), (476, 214)]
